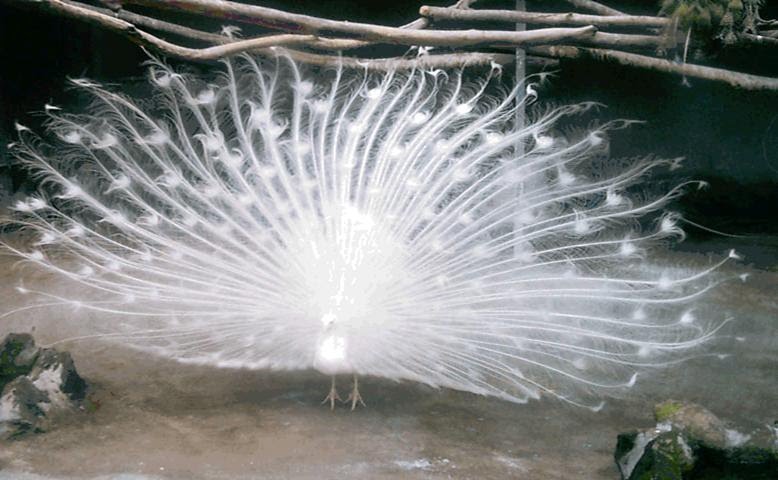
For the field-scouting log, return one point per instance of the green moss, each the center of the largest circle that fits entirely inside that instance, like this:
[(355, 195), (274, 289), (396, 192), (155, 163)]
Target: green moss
[(677, 456), (8, 368), (669, 460), (751, 455), (10, 348), (665, 410)]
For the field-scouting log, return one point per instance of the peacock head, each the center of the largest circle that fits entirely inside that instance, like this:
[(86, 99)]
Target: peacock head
[(328, 320)]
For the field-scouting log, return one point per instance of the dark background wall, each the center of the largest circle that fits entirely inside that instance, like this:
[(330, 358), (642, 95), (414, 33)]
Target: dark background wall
[(728, 137)]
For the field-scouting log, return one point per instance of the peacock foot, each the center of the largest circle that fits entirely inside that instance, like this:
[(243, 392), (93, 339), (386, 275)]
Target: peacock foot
[(332, 396), (354, 397)]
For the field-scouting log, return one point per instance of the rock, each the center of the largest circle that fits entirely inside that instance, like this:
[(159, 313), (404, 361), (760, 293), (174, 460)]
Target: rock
[(694, 419), (55, 373), (629, 450), (689, 442), (21, 408), (17, 356), (667, 456), (35, 384), (765, 436)]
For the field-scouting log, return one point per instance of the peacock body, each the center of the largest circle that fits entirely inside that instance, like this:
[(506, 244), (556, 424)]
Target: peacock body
[(397, 225)]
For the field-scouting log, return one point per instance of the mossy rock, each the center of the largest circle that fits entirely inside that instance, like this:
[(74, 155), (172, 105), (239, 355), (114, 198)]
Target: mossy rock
[(70, 382), (17, 356), (674, 455), (740, 463), (664, 411), (21, 410), (667, 457), (691, 443), (697, 421)]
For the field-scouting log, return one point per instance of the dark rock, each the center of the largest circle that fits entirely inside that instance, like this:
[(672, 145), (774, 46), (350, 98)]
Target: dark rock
[(56, 370), (691, 443), (637, 449), (766, 436), (740, 463), (666, 457), (22, 408), (625, 443), (17, 356), (36, 383)]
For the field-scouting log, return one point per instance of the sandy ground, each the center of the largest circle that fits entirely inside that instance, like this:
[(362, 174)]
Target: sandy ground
[(160, 419)]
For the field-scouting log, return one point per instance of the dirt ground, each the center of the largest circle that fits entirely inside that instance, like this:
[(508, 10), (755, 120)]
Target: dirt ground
[(154, 418)]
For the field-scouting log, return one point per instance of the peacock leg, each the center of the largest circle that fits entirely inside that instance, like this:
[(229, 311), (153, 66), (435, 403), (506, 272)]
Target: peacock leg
[(332, 396), (354, 397)]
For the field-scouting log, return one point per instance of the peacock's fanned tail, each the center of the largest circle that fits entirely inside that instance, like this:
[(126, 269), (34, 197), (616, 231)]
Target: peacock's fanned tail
[(398, 225)]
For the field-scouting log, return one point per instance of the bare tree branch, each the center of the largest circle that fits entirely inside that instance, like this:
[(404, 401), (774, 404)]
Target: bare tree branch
[(595, 7), (745, 81), (574, 19), (142, 38), (604, 39), (191, 33), (303, 31), (757, 39), (537, 18), (451, 60), (267, 46), (375, 33), (157, 25), (297, 23), (423, 22), (292, 22)]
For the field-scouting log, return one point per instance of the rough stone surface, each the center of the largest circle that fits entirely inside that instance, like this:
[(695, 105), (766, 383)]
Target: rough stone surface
[(691, 443), (666, 457), (630, 449), (35, 383), (17, 356), (693, 419), (55, 372), (22, 406)]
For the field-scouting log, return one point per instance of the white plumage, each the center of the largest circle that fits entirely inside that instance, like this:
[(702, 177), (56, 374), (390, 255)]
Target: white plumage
[(374, 224)]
